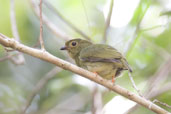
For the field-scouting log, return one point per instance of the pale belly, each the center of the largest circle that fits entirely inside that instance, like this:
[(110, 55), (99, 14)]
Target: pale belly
[(106, 70)]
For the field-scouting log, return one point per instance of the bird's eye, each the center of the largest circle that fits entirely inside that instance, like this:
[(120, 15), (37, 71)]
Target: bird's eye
[(74, 43)]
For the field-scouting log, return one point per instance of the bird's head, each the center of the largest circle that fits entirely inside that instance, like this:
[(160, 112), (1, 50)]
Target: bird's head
[(75, 46)]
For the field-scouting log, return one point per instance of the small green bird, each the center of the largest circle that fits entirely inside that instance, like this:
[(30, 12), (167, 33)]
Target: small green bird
[(98, 58)]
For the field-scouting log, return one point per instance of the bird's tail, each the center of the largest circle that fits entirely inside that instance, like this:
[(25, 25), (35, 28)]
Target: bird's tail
[(127, 65)]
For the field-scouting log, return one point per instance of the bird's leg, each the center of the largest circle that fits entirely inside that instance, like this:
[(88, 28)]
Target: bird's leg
[(113, 79), (95, 73), (114, 75)]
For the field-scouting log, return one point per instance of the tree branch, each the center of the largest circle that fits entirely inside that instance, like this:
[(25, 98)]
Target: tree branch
[(44, 55)]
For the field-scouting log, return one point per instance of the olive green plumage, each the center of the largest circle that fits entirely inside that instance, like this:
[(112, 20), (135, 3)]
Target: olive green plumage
[(100, 58)]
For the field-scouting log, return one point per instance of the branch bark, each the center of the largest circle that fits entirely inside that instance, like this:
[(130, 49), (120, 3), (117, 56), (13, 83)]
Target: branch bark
[(44, 55)]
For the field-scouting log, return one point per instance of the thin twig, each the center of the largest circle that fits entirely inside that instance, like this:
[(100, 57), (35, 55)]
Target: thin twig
[(131, 45), (93, 109), (13, 21), (164, 104), (41, 26), (52, 73), (16, 58), (4, 58), (39, 86), (154, 83), (96, 101), (134, 85), (48, 23), (7, 57), (156, 93), (44, 55), (129, 74), (20, 58), (12, 58), (8, 49), (56, 12), (108, 21), (3, 36)]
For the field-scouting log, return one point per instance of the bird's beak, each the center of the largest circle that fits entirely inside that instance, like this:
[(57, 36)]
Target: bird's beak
[(64, 48)]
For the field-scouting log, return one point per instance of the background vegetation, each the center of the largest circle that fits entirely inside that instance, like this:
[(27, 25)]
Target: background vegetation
[(144, 37)]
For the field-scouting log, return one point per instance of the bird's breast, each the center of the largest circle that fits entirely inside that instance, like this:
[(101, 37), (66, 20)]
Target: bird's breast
[(106, 70)]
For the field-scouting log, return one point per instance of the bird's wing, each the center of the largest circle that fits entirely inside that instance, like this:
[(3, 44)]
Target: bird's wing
[(100, 53)]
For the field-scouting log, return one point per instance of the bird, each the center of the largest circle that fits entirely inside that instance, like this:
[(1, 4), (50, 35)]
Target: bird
[(101, 59)]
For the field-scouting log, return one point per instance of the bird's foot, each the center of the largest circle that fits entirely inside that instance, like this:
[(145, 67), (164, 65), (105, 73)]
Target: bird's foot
[(113, 80), (95, 73)]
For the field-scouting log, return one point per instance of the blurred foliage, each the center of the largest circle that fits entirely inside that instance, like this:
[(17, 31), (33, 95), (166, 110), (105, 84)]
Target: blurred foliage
[(66, 93)]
